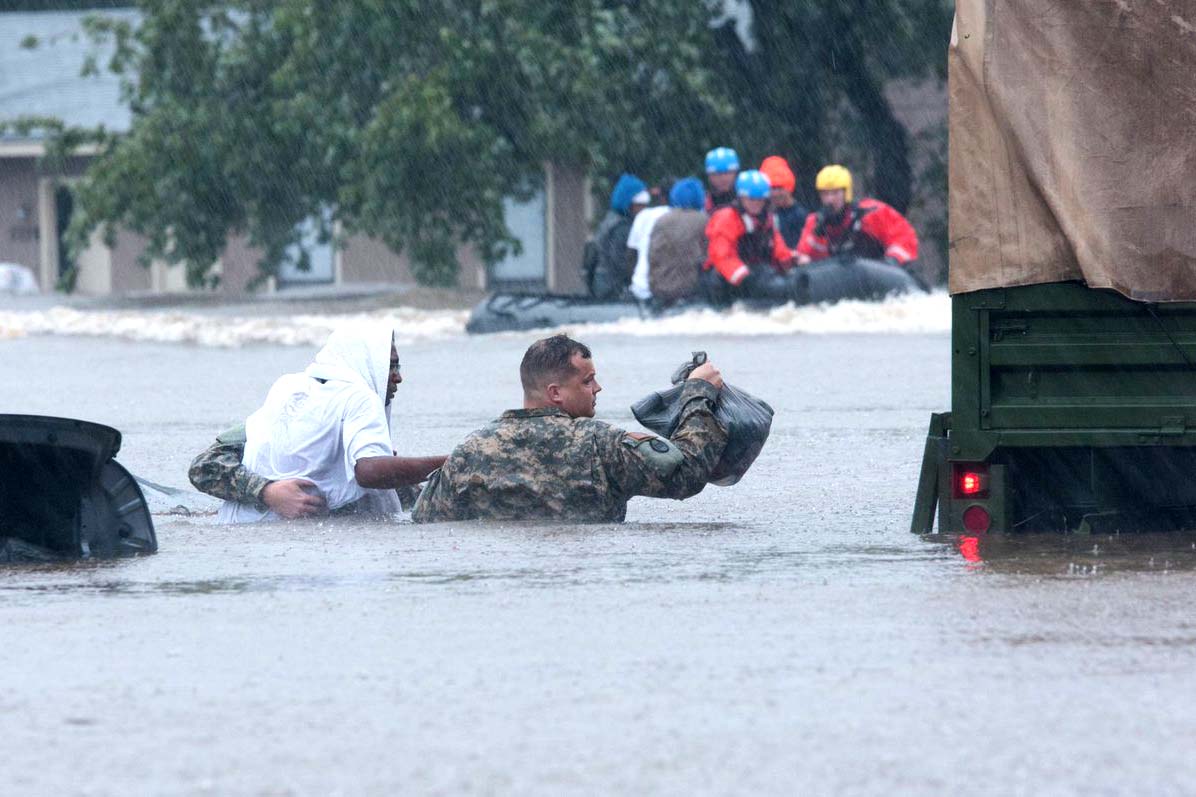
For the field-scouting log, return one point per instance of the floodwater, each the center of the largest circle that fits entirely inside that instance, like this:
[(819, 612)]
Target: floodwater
[(784, 636)]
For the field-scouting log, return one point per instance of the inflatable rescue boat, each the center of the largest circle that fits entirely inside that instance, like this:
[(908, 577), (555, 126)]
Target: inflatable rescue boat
[(823, 282)]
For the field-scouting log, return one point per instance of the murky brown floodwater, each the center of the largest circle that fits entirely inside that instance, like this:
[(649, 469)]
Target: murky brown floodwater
[(785, 636)]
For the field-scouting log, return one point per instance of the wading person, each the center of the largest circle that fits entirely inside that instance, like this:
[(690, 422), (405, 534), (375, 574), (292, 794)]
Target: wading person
[(320, 442), (552, 460), (868, 228)]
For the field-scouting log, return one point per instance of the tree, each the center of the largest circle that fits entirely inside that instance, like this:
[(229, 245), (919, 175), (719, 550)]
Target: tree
[(812, 82), (409, 121), (412, 120)]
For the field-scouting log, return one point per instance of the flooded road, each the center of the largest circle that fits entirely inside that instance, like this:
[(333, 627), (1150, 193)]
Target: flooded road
[(787, 635)]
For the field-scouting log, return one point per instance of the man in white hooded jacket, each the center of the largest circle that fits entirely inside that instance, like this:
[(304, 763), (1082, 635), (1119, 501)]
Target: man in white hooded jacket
[(321, 441)]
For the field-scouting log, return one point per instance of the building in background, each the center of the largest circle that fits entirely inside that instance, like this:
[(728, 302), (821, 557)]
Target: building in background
[(42, 56)]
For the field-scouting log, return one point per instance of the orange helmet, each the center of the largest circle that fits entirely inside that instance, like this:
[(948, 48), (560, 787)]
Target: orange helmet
[(779, 175)]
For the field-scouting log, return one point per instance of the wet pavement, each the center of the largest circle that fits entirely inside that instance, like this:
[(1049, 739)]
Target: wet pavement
[(786, 635)]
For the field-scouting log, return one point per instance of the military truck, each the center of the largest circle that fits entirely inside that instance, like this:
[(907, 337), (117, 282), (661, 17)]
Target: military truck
[(1072, 273)]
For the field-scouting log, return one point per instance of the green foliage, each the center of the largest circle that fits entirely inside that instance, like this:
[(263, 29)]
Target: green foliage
[(63, 5), (411, 120), (813, 83), (931, 199)]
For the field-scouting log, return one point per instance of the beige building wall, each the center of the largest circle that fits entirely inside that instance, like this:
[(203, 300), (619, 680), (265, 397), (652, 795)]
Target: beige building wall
[(238, 266), (167, 279), (19, 231), (568, 207), (104, 270), (368, 260), (94, 268), (128, 275)]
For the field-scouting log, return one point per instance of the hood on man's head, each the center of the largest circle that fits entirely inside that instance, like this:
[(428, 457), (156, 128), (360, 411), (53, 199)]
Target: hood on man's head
[(688, 193), (625, 190), (357, 353)]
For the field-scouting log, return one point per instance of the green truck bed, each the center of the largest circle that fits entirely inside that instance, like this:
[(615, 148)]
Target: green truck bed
[(1072, 409)]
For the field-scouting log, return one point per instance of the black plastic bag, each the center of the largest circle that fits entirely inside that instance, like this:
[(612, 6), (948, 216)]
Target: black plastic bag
[(746, 418)]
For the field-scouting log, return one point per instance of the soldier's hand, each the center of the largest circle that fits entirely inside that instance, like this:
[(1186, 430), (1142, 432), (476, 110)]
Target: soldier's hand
[(709, 373), (294, 498)]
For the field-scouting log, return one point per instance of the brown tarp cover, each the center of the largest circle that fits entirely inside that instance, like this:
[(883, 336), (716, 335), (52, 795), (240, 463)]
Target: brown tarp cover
[(1073, 145)]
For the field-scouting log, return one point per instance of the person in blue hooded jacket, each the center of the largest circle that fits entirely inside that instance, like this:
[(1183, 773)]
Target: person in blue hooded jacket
[(609, 261)]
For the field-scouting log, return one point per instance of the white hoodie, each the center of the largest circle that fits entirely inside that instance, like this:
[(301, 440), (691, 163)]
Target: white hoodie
[(317, 424)]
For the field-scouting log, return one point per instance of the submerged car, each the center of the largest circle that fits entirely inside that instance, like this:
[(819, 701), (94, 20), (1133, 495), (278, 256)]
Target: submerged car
[(63, 496)]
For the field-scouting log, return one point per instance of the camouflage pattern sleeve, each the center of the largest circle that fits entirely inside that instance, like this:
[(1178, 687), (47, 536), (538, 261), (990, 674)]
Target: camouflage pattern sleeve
[(677, 468), (218, 471), (435, 502)]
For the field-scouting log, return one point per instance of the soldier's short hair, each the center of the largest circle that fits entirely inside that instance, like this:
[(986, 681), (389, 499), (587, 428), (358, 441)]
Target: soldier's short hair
[(549, 361)]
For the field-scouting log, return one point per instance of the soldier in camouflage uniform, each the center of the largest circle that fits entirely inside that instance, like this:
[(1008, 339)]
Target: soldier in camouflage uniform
[(218, 472), (552, 460)]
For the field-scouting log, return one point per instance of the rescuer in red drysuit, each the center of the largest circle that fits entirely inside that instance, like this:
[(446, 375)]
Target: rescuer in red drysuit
[(868, 228), (746, 256)]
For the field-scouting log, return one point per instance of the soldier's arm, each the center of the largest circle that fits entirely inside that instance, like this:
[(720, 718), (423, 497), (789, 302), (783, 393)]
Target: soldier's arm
[(677, 468), (435, 503), (218, 471)]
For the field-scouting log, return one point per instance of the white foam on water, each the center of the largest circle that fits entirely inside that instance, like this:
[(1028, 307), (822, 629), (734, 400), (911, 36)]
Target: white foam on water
[(910, 314), (228, 331), (907, 314)]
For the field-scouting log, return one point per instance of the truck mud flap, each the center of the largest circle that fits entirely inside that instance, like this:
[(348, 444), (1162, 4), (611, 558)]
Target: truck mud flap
[(934, 462)]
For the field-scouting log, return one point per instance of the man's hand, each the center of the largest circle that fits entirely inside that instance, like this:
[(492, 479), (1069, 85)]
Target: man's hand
[(294, 498), (803, 260), (709, 373)]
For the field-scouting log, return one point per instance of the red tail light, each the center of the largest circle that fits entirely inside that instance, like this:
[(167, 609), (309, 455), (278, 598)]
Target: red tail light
[(976, 519), (971, 481)]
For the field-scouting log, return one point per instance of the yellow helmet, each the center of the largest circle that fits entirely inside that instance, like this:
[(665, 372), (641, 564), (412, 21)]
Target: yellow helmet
[(832, 177)]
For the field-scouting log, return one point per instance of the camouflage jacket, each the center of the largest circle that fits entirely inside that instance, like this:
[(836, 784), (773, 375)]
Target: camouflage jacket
[(542, 463), (218, 471)]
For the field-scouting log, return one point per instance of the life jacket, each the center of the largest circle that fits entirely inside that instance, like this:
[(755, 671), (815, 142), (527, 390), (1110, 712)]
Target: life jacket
[(755, 244), (868, 228), (846, 235), (737, 242), (722, 199)]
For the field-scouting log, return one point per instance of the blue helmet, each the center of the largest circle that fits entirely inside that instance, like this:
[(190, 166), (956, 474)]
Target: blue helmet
[(752, 184), (722, 159)]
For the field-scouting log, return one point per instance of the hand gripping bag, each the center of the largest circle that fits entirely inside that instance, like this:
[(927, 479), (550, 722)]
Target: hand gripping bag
[(746, 418)]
